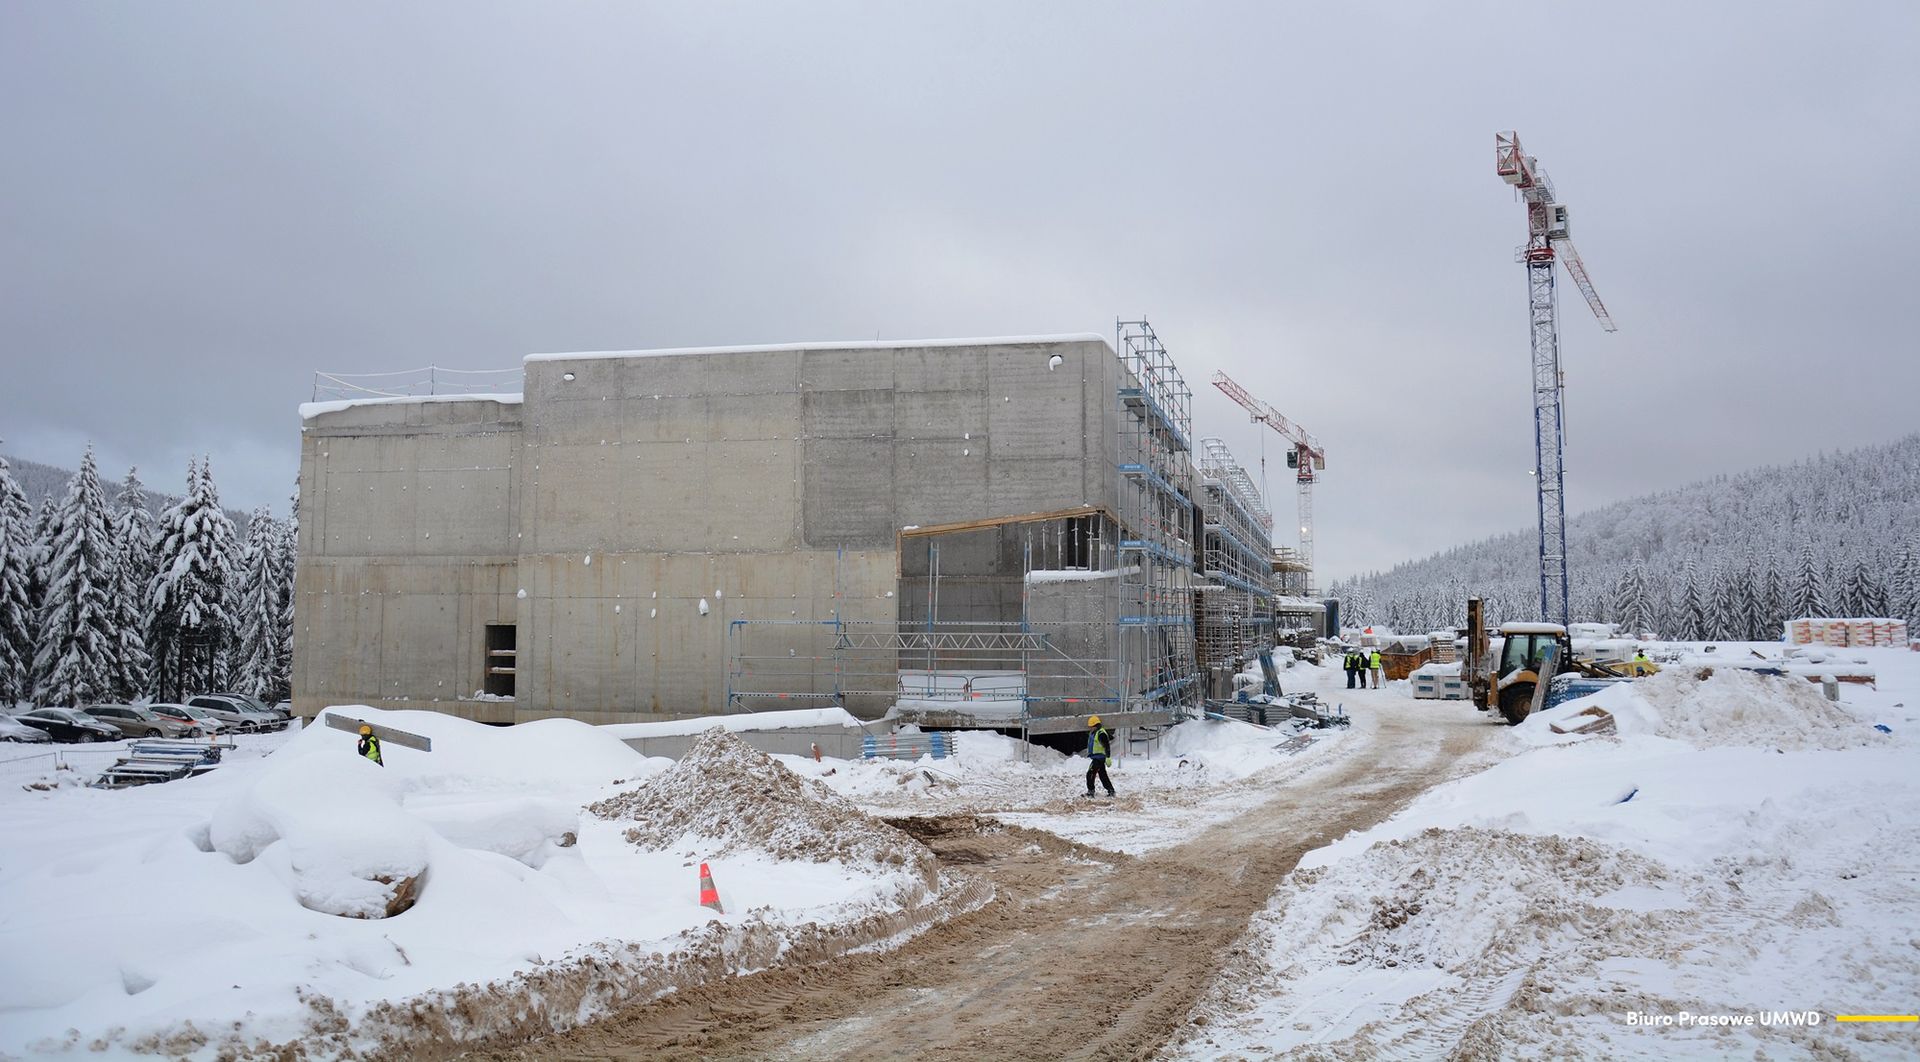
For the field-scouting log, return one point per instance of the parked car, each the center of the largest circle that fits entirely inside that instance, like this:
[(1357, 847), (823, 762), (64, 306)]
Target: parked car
[(186, 713), (141, 722), (236, 712), (282, 711), (66, 724), (12, 729)]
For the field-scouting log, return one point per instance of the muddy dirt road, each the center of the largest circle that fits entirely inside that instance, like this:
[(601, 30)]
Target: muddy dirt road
[(1082, 954)]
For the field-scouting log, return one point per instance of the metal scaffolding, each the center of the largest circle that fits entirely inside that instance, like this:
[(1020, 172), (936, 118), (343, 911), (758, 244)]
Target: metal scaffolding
[(1155, 586), (1233, 616), (1036, 620)]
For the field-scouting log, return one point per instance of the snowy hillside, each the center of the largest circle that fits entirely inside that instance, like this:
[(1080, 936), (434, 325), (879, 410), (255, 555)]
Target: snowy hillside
[(1725, 558), (39, 482)]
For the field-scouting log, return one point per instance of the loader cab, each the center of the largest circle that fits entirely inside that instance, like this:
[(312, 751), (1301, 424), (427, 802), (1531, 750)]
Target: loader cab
[(1525, 646)]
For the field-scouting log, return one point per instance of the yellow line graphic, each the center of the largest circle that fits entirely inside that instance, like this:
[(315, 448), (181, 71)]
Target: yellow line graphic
[(1876, 1017)]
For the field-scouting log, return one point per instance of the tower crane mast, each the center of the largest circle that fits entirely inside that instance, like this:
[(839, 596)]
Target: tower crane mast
[(1307, 458), (1547, 239)]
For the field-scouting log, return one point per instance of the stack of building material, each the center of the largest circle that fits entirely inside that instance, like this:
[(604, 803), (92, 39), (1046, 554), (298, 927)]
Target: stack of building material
[(1859, 633), (1442, 646), (1439, 682)]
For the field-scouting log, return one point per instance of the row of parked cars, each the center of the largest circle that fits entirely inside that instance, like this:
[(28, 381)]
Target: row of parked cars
[(201, 716)]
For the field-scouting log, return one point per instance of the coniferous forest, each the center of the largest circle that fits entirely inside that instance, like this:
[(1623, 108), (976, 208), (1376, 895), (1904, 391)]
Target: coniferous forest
[(106, 596), (1727, 558)]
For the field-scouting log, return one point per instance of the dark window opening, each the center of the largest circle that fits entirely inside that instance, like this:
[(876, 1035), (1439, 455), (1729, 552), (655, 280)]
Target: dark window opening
[(1076, 549), (501, 644)]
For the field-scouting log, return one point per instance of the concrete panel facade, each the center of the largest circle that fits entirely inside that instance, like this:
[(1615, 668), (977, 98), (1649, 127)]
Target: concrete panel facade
[(597, 515)]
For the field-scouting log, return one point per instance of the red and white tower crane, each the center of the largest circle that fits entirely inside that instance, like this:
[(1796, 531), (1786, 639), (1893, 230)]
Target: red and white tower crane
[(1546, 241), (1307, 458)]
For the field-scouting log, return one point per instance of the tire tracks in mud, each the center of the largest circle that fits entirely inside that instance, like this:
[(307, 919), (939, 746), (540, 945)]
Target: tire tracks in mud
[(1082, 953)]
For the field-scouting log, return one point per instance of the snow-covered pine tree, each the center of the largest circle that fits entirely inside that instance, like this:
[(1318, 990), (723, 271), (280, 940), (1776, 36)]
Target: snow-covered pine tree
[(1632, 609), (1747, 591), (1690, 610), (1772, 607), (1906, 585), (16, 609), (74, 655), (46, 525), (133, 536), (289, 570), (1808, 596), (1875, 600), (257, 609), (1863, 590), (189, 621), (1849, 588), (1726, 615)]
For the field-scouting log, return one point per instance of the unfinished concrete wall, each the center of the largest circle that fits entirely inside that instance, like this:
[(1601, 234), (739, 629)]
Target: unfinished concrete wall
[(408, 543), (597, 516), (765, 482)]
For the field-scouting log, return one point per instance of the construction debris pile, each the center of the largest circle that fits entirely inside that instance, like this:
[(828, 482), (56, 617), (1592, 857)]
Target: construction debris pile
[(735, 798), (1845, 633)]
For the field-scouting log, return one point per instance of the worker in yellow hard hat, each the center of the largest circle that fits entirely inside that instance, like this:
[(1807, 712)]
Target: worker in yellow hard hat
[(370, 745), (1099, 747)]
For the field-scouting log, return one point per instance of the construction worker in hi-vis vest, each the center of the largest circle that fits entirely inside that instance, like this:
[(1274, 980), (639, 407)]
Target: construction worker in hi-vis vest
[(370, 746), (1099, 747)]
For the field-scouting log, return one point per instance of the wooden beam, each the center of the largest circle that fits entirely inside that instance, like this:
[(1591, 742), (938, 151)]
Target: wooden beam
[(1002, 521), (386, 734)]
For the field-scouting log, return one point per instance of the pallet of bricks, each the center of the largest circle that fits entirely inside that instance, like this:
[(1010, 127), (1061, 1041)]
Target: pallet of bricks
[(1848, 633)]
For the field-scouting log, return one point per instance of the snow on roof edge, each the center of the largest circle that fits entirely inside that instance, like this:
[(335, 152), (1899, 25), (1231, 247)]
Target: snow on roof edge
[(310, 410), (861, 344)]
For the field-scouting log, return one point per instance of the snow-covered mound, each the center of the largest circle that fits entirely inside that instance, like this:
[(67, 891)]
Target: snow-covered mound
[(1736, 707), (1728, 707), (354, 853), (725, 796)]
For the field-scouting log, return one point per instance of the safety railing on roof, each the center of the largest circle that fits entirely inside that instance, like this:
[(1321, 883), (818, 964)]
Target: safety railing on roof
[(416, 383)]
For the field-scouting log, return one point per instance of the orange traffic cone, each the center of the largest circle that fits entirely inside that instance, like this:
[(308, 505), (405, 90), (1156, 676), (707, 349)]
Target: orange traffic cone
[(709, 896)]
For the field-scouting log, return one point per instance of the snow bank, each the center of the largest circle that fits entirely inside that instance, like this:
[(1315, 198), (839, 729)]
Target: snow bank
[(467, 755), (735, 723), (1230, 748)]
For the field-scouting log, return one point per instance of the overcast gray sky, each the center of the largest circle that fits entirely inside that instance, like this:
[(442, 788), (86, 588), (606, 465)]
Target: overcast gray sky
[(201, 204)]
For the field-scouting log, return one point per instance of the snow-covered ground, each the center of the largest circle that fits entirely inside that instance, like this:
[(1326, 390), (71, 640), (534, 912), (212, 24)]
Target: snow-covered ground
[(1202, 773), (1741, 847), (216, 912), (1739, 857), (241, 909)]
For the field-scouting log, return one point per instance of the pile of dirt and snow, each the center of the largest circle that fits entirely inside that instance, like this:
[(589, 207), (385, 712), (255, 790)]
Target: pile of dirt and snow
[(1731, 706), (1425, 932), (725, 796)]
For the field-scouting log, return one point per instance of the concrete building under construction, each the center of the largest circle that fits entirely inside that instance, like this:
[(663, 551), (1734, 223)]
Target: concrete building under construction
[(1000, 532)]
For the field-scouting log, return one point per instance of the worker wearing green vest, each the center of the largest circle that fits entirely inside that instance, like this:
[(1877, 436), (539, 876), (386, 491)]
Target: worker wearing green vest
[(1373, 662), (1099, 747)]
